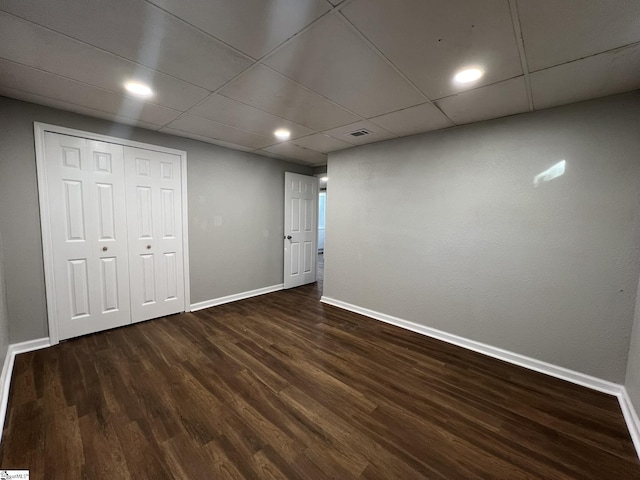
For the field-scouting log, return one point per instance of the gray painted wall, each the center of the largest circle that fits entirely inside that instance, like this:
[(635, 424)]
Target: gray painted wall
[(633, 367), (446, 229), (244, 253), (4, 316)]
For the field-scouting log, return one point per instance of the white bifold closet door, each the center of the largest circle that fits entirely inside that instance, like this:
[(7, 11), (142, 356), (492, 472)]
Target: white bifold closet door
[(85, 181), (154, 216), (115, 225)]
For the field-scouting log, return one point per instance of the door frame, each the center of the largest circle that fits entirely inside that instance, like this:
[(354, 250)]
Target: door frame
[(43, 196)]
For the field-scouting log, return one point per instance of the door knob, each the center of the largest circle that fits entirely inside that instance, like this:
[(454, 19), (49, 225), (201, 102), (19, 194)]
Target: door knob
[(288, 237), (105, 248), (148, 247)]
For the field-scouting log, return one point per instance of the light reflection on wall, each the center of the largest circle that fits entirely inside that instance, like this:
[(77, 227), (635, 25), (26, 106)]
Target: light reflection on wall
[(550, 173)]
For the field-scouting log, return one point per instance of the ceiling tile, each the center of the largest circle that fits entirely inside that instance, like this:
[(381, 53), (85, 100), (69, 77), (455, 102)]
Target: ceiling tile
[(497, 100), (377, 133), (253, 26), (53, 52), (30, 80), (272, 92), (556, 32), (214, 130), (412, 120), (321, 143), (71, 107), (202, 138), (612, 72), (331, 59), (141, 32), (293, 151), (430, 41), (231, 112)]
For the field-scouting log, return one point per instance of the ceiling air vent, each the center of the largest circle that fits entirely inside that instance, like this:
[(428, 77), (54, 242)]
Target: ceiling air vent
[(359, 133)]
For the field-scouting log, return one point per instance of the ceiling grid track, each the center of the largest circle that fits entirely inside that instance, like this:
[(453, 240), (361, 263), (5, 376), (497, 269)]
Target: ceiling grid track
[(517, 29)]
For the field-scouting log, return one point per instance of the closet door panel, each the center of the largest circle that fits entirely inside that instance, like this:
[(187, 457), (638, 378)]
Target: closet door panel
[(86, 196), (154, 221)]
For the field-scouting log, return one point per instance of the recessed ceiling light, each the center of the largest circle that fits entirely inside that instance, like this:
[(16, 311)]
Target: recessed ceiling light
[(139, 89), (282, 134), (468, 75), (324, 179)]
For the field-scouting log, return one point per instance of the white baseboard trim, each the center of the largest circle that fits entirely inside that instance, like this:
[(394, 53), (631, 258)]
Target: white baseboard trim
[(235, 297), (7, 370), (630, 417)]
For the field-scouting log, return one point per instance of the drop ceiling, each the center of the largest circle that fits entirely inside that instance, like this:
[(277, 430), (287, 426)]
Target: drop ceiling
[(232, 72)]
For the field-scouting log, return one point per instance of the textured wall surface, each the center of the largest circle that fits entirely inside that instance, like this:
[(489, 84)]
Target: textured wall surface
[(633, 367), (451, 230), (242, 191), (4, 316)]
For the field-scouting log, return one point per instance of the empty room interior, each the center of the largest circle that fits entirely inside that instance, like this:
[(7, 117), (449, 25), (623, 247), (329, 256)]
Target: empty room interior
[(348, 239)]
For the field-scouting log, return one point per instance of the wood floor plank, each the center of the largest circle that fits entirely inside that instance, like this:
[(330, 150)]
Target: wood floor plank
[(62, 429), (144, 457), (282, 386), (103, 453)]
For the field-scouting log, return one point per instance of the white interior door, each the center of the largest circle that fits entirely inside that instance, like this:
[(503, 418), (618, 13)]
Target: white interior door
[(154, 220), (300, 229), (87, 224)]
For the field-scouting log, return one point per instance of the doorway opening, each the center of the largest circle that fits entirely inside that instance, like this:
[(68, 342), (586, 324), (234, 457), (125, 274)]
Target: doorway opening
[(322, 208)]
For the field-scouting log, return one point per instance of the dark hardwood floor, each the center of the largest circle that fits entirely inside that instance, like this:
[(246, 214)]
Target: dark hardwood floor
[(281, 386)]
